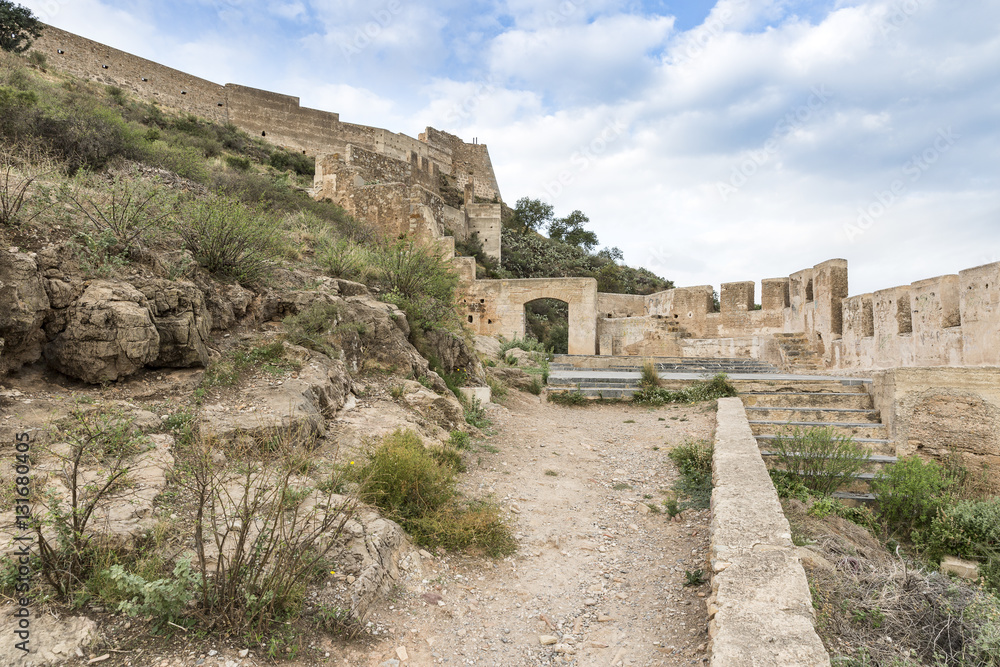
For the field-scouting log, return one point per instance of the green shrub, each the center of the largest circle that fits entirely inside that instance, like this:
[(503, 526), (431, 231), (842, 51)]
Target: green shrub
[(420, 282), (822, 459), (789, 485), (477, 526), (910, 492), (126, 208), (300, 164), (650, 376), (694, 462), (165, 598), (182, 160), (459, 440), (313, 328), (403, 478), (342, 258), (970, 529), (238, 162), (701, 390), (416, 487), (475, 414), (571, 398), (229, 238)]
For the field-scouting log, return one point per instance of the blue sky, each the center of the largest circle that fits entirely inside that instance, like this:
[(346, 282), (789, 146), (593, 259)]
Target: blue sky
[(710, 141)]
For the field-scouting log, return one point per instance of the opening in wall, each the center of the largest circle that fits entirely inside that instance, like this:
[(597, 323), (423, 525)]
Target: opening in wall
[(809, 290), (867, 319), (904, 319)]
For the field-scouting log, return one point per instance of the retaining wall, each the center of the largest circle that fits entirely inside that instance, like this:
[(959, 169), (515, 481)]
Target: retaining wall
[(760, 611)]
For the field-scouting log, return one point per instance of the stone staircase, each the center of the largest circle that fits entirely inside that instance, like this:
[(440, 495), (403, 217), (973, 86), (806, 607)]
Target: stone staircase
[(798, 353), (663, 364), (845, 406), (618, 377)]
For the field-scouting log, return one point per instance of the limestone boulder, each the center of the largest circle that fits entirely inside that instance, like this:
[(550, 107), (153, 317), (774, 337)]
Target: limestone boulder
[(182, 320), (488, 347), (512, 377), (277, 305), (454, 353), (368, 423), (108, 334), (298, 406), (23, 305), (445, 410), (374, 550)]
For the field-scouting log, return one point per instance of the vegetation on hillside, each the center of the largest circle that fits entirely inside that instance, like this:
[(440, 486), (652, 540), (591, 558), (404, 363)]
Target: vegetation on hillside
[(887, 586), (127, 188)]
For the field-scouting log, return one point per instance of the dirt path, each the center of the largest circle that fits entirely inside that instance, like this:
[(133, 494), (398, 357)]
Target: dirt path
[(598, 573)]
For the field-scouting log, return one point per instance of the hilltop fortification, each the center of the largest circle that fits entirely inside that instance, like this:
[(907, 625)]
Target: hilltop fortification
[(393, 181)]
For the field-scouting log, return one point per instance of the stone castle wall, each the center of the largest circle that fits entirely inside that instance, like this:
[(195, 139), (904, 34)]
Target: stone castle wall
[(275, 117)]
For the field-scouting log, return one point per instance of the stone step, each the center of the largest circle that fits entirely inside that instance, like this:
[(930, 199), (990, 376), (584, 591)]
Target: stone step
[(877, 459), (813, 414), (876, 444), (861, 401), (764, 385), (853, 429)]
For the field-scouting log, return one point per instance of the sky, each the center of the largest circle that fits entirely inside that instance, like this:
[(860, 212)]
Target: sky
[(710, 141)]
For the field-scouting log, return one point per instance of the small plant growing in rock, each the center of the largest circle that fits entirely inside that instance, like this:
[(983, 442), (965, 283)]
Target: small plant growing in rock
[(694, 577)]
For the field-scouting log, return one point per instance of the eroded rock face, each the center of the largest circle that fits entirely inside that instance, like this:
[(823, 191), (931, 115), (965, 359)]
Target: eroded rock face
[(454, 354), (299, 406), (443, 409), (182, 320), (23, 304), (374, 549), (108, 334)]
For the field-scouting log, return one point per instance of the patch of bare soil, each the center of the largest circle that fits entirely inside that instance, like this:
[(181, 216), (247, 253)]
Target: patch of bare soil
[(599, 578)]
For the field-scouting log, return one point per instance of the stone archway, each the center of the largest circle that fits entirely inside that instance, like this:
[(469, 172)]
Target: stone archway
[(496, 307)]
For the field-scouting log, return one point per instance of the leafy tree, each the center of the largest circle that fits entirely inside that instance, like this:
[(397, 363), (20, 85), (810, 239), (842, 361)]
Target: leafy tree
[(18, 27), (614, 254), (530, 214), (570, 230)]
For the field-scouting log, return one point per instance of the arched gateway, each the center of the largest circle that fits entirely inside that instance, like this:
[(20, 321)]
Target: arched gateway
[(496, 307)]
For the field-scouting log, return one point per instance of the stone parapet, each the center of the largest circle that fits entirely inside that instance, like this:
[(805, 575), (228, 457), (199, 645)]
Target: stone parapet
[(760, 610)]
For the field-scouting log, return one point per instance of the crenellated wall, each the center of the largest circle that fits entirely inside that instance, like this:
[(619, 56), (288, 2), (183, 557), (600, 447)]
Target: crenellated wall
[(944, 321)]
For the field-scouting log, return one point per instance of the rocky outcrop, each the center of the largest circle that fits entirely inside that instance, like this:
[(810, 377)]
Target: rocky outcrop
[(107, 334), (375, 549), (182, 320), (298, 406), (454, 354), (23, 304), (443, 409), (512, 377)]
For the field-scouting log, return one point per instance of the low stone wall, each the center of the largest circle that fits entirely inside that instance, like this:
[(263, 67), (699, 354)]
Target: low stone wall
[(760, 611), (937, 412)]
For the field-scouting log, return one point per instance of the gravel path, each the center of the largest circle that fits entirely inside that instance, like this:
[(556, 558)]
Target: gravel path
[(599, 576)]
